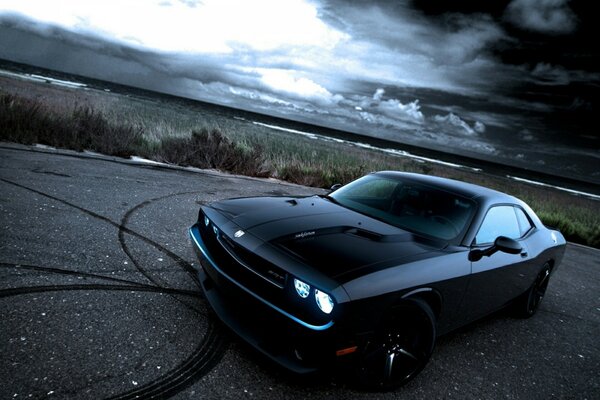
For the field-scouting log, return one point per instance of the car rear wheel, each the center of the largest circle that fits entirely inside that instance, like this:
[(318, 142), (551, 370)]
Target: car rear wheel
[(529, 303), (400, 349)]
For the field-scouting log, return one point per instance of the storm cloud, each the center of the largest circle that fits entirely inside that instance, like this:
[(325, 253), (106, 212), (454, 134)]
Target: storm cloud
[(545, 16), (472, 75)]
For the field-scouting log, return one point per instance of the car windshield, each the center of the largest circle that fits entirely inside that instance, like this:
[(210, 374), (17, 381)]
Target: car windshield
[(412, 206)]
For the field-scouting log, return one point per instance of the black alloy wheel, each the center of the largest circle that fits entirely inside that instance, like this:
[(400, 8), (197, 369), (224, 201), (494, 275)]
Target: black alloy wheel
[(538, 290), (529, 303), (401, 349)]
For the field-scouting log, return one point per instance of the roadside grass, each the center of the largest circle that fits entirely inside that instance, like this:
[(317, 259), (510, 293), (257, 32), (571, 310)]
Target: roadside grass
[(29, 121), (212, 149), (123, 125)]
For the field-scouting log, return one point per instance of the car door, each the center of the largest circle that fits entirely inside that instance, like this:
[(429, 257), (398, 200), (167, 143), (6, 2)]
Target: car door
[(499, 278)]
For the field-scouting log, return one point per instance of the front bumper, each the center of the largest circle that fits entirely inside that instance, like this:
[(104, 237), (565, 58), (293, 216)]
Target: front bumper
[(295, 344)]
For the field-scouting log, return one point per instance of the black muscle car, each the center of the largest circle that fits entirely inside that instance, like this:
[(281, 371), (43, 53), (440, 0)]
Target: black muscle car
[(368, 276)]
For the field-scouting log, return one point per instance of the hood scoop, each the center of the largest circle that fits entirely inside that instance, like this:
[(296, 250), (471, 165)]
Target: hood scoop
[(377, 237), (364, 234)]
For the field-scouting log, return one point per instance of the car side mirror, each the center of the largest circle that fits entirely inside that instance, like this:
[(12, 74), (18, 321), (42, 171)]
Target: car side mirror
[(507, 245), (502, 243), (335, 187)]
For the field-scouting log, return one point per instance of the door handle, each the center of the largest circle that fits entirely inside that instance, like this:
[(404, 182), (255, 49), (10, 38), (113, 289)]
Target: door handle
[(524, 254)]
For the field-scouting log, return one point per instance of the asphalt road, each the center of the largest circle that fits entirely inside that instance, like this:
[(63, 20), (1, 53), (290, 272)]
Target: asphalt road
[(98, 300)]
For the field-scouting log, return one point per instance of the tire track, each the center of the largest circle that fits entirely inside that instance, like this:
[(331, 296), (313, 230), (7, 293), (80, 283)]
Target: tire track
[(180, 261), (206, 355), (210, 349), (68, 272), (202, 361), (91, 286), (187, 267), (199, 363)]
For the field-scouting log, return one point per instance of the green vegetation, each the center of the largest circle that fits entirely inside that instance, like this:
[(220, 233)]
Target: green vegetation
[(28, 121), (211, 149), (191, 136)]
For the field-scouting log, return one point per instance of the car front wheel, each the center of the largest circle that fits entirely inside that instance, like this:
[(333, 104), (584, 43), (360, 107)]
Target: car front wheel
[(400, 349)]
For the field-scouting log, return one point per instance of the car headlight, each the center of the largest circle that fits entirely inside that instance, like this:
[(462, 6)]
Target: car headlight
[(303, 289), (206, 221), (324, 301)]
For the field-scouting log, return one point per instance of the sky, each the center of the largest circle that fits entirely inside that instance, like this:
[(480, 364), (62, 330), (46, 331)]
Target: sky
[(515, 81)]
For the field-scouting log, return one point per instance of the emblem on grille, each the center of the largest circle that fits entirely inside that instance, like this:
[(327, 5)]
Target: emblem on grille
[(239, 234), (275, 275)]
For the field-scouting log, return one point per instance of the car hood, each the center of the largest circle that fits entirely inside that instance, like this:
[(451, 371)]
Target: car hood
[(338, 242)]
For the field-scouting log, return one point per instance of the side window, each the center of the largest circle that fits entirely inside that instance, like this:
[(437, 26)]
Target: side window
[(499, 221), (524, 223)]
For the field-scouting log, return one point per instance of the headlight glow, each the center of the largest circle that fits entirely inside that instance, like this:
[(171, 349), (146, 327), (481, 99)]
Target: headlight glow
[(324, 301), (303, 289), (206, 221)]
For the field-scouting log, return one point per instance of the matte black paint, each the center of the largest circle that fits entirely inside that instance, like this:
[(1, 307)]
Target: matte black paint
[(366, 266)]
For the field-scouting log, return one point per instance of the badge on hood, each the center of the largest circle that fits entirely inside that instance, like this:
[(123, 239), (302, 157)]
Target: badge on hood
[(239, 234), (302, 235)]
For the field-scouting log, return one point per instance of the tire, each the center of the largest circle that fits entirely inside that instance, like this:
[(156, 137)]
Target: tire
[(527, 305), (400, 349)]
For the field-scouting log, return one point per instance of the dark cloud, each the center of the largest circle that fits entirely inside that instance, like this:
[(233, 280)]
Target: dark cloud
[(400, 30), (553, 17), (547, 74), (483, 77)]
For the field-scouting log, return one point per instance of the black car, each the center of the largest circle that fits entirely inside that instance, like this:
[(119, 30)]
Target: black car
[(368, 276)]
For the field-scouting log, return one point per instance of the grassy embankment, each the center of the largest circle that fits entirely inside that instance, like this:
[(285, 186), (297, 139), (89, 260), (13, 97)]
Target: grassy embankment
[(122, 126)]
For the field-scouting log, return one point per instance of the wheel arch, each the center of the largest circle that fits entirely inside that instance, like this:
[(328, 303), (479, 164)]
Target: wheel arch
[(413, 341), (430, 296)]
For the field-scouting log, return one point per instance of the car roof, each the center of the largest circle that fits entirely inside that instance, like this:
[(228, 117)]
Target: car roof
[(478, 193)]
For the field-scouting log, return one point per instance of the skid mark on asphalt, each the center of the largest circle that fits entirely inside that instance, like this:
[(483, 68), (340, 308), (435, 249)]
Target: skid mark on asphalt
[(210, 349), (189, 269), (123, 230), (191, 370), (60, 288), (180, 261), (68, 272), (43, 171), (126, 284)]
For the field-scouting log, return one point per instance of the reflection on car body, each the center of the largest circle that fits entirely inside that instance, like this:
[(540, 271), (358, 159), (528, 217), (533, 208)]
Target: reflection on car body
[(367, 277)]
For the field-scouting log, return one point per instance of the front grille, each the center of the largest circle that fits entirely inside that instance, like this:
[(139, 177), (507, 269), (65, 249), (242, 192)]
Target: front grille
[(246, 270), (245, 267), (253, 263)]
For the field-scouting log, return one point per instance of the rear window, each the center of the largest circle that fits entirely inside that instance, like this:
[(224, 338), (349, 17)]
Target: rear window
[(524, 222)]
